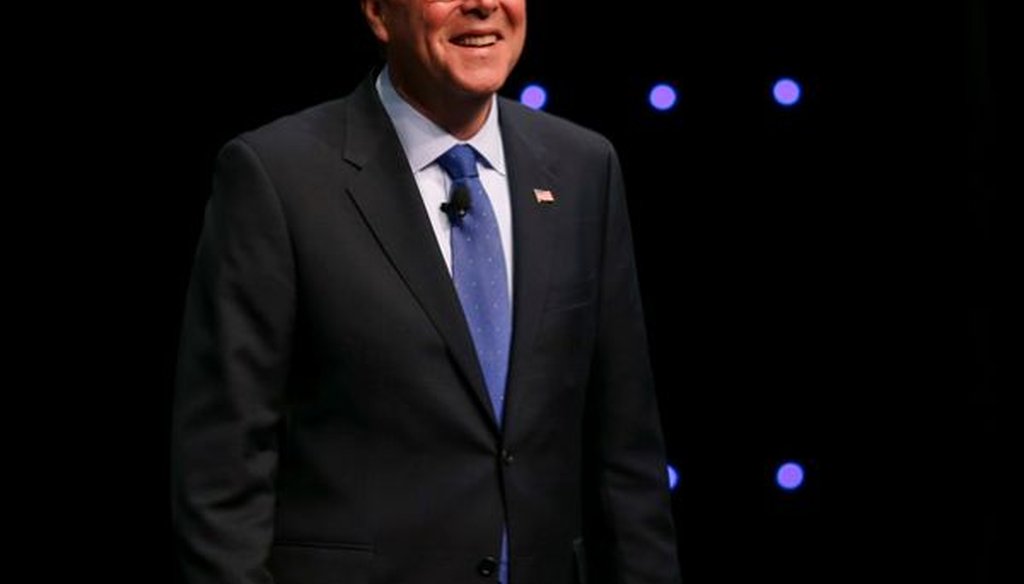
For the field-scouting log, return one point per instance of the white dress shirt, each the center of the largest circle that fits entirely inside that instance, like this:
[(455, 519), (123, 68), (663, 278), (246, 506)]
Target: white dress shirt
[(424, 141)]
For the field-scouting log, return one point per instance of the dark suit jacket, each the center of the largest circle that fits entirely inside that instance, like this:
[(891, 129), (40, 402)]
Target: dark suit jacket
[(331, 424)]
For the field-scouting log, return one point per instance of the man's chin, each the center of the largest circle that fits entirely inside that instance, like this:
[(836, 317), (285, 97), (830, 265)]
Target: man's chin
[(479, 86)]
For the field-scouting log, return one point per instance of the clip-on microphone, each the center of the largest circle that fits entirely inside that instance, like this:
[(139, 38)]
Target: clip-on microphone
[(458, 205)]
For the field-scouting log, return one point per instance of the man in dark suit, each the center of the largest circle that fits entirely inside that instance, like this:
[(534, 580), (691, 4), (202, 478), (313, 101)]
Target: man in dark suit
[(347, 410)]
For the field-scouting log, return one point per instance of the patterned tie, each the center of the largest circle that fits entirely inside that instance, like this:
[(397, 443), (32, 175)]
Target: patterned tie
[(478, 269)]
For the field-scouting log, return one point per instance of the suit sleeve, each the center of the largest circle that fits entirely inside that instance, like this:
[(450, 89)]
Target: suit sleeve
[(232, 368), (634, 537)]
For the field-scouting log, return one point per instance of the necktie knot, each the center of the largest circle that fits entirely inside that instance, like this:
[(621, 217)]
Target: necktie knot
[(459, 162)]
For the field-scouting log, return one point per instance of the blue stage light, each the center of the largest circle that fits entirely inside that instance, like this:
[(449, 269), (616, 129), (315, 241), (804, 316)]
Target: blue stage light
[(673, 478), (662, 97), (790, 476), (534, 96), (786, 91)]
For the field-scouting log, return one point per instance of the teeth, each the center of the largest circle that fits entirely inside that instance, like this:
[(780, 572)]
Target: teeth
[(477, 41)]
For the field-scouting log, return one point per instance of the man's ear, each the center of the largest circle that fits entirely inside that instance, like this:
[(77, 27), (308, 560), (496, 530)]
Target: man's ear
[(374, 11)]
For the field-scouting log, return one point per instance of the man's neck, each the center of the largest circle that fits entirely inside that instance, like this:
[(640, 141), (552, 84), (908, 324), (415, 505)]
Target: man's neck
[(461, 116)]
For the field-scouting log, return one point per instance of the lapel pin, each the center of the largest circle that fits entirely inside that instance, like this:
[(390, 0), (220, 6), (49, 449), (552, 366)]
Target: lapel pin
[(544, 196)]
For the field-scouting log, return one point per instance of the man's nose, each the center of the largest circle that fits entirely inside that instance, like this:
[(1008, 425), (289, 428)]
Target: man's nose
[(481, 7)]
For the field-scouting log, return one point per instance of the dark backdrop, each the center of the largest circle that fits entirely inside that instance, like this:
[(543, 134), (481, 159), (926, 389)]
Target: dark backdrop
[(818, 280)]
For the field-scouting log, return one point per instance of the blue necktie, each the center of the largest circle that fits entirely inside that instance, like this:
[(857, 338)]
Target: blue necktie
[(478, 270)]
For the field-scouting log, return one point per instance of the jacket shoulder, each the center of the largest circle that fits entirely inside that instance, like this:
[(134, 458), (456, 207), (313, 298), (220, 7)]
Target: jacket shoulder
[(318, 126), (555, 133)]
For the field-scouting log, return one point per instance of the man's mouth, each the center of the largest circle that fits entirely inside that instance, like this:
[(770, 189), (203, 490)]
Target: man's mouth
[(484, 40)]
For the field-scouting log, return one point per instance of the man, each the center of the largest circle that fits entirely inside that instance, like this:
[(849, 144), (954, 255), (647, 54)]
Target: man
[(368, 394)]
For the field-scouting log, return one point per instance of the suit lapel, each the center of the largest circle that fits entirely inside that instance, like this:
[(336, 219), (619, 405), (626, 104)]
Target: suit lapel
[(534, 227), (387, 196)]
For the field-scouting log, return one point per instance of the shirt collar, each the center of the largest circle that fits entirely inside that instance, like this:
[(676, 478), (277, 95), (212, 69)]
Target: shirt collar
[(424, 141)]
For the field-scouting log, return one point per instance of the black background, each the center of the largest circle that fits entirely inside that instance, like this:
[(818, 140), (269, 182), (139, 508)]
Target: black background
[(819, 281)]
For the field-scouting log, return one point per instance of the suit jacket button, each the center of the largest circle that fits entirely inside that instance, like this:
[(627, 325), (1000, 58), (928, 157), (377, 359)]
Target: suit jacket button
[(507, 457), (487, 566)]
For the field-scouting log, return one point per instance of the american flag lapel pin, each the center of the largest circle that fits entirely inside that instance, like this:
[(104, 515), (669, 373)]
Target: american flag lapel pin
[(544, 196)]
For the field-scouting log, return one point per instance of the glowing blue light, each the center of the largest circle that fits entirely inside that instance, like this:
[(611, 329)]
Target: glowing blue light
[(790, 476), (786, 91), (533, 96), (662, 97), (673, 478)]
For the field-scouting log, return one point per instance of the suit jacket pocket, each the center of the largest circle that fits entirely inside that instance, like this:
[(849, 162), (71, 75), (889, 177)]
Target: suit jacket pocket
[(320, 563), (570, 295)]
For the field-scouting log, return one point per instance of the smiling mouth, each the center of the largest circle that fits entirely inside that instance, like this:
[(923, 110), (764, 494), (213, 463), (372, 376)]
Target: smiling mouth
[(484, 40)]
